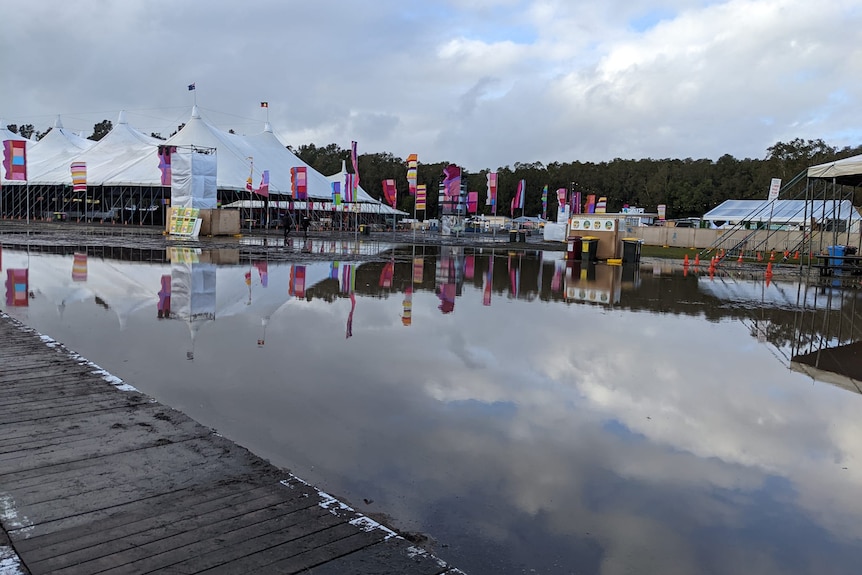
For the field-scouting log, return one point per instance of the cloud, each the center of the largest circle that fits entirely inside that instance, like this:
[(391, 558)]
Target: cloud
[(482, 83)]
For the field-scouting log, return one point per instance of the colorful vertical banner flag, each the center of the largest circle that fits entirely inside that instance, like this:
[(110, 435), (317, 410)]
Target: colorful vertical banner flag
[(662, 211), (407, 307), (390, 192), (15, 159), (452, 182), (602, 205), (164, 305), (354, 159), (518, 200), (79, 267), (336, 193), (418, 270), (489, 282), (165, 153), (412, 170), (79, 176), (386, 274), (545, 202), (347, 193), (590, 207), (576, 203), (17, 286), (420, 197), (491, 199), (263, 189), (472, 202), (299, 182), (561, 197)]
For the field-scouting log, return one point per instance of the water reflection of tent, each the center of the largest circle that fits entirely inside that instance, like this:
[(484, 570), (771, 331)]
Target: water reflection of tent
[(841, 365)]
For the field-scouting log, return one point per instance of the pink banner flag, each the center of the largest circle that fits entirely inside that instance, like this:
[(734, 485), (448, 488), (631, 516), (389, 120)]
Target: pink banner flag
[(472, 202), (165, 153), (561, 197), (390, 192), (263, 190), (15, 159), (489, 281), (79, 176), (354, 159), (452, 181), (518, 200)]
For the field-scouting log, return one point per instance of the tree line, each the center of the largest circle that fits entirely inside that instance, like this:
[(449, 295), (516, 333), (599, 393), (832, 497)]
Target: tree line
[(688, 187)]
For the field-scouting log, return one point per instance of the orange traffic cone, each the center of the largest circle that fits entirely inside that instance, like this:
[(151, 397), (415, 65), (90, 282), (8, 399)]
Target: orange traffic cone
[(685, 260), (759, 257), (739, 259), (796, 255), (786, 254), (696, 259), (772, 256)]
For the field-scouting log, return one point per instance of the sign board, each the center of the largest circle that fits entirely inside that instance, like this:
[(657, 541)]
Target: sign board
[(587, 224), (774, 188)]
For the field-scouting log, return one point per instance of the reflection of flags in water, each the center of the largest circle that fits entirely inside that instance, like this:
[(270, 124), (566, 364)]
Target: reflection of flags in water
[(79, 176), (418, 270), (412, 165), (347, 279), (386, 275), (263, 271), (557, 279), (248, 279), (407, 307), (333, 270), (165, 296), (79, 267), (489, 281), (514, 279), (446, 293), (469, 267), (349, 331), (17, 286), (296, 286)]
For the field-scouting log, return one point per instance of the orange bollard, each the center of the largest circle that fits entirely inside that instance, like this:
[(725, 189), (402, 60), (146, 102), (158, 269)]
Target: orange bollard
[(759, 257), (685, 260), (739, 259), (696, 259)]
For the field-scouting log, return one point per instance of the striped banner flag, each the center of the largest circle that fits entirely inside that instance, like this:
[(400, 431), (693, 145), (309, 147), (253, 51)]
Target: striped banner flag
[(412, 170), (79, 176), (336, 193), (491, 200), (518, 200), (79, 267), (420, 197), (347, 193), (299, 182), (15, 159)]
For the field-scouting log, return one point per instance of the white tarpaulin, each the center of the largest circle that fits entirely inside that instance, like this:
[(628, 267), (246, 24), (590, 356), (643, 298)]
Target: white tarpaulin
[(555, 232), (193, 179)]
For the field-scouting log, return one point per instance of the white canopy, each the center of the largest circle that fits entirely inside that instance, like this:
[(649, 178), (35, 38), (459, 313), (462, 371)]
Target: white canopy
[(847, 171)]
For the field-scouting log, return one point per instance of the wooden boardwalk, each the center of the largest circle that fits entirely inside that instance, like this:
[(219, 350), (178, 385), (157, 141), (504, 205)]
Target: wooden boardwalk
[(96, 477)]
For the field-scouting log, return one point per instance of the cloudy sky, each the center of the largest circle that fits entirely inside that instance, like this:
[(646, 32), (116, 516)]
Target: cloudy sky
[(484, 83)]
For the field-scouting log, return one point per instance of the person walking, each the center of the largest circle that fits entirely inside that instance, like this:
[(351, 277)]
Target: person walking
[(306, 223), (287, 223)]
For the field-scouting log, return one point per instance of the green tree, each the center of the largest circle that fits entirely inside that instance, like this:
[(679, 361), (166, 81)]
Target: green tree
[(101, 130)]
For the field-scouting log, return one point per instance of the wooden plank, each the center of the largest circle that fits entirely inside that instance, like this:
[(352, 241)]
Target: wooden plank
[(96, 479)]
